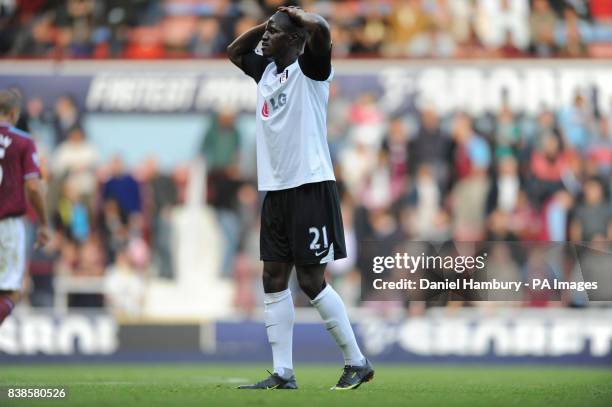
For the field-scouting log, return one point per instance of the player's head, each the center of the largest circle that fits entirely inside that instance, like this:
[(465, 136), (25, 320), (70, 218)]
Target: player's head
[(10, 105), (282, 36)]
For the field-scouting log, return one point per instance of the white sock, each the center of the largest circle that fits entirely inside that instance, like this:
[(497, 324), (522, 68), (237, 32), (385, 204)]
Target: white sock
[(279, 317), (331, 308)]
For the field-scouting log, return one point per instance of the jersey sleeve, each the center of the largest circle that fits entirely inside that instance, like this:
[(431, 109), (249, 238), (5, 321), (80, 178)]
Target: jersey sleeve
[(254, 65), (316, 67), (29, 162)]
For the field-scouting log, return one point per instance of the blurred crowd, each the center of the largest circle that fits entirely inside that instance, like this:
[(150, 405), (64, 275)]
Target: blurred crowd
[(145, 29), (417, 176)]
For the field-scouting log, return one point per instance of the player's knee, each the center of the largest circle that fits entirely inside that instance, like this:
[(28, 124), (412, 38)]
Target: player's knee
[(311, 285), (274, 281)]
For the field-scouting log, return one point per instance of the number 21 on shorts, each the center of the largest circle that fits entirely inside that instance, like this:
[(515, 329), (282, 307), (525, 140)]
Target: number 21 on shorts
[(316, 236)]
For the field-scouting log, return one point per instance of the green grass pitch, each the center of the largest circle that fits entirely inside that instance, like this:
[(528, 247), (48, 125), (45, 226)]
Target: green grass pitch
[(214, 385)]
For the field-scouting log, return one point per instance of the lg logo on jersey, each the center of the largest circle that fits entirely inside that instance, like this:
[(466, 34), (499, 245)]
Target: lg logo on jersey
[(276, 103)]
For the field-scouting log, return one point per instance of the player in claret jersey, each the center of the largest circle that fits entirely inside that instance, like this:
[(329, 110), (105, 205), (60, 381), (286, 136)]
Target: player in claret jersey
[(301, 223), (19, 177)]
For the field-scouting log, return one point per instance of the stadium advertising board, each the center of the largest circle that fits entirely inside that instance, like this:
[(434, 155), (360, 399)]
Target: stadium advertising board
[(475, 86), (506, 336)]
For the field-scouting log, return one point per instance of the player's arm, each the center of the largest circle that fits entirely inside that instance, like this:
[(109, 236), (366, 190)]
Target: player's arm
[(315, 62), (34, 192), (241, 52)]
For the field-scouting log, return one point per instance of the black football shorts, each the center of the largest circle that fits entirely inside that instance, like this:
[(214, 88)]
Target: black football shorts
[(302, 225)]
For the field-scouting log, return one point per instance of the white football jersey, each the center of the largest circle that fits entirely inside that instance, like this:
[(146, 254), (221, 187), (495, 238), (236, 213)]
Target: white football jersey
[(291, 129)]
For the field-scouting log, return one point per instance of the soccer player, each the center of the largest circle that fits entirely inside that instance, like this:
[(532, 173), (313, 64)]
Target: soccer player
[(301, 223), (19, 177)]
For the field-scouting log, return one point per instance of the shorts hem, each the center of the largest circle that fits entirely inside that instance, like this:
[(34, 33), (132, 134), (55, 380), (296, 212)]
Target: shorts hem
[(10, 288), (318, 261), (302, 262)]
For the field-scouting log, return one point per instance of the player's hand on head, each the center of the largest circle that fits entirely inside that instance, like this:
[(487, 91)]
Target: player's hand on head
[(295, 13)]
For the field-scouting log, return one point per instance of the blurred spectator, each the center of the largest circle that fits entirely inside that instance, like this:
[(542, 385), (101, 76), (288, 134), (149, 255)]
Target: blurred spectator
[(577, 123), (9, 26), (376, 191), (574, 46), (496, 18), (159, 192), (68, 260), (76, 159), (369, 34), (549, 165), (221, 142), (525, 221), (75, 24), (507, 133), (67, 117), (426, 199), (463, 16), (367, 119), (599, 151), (505, 186), (406, 19), (356, 162), (593, 218), (337, 120), (40, 124), (122, 188), (434, 42), (472, 46), (72, 217), (124, 287), (111, 35), (91, 259), (472, 153), (572, 33), (469, 194), (37, 40), (176, 34), (113, 228), (395, 145), (546, 124), (341, 37), (430, 146), (542, 24), (144, 43), (555, 216), (205, 41), (221, 148), (41, 269)]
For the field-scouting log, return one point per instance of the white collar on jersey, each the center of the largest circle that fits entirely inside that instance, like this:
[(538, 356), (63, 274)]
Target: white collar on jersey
[(273, 81)]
